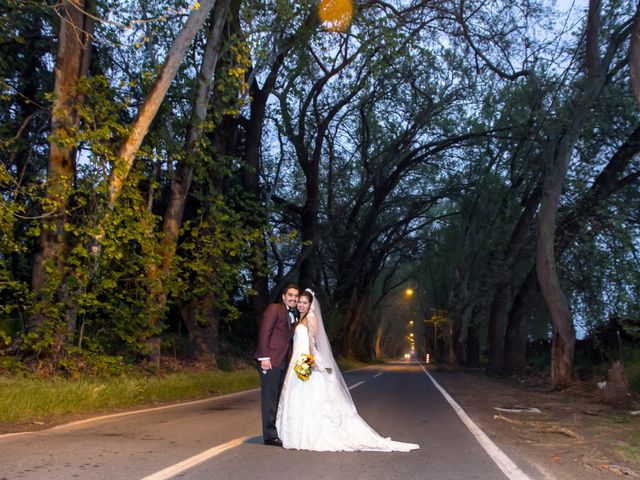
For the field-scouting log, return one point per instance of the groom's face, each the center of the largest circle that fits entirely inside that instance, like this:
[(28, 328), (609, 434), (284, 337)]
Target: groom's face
[(290, 298)]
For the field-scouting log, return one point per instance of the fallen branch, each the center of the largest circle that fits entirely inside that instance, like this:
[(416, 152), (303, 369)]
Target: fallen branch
[(540, 427)]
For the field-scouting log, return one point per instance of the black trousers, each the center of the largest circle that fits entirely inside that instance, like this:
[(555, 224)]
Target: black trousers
[(270, 387)]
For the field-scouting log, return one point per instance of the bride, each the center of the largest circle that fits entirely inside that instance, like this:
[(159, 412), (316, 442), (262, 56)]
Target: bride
[(319, 414)]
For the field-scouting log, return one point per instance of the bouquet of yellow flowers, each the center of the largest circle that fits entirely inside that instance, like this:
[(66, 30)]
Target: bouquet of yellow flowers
[(302, 367)]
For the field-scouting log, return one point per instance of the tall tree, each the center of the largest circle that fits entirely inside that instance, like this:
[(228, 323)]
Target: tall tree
[(614, 177), (72, 63), (559, 153)]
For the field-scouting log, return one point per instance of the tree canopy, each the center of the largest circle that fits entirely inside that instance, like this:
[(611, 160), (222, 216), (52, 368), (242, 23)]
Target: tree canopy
[(167, 167)]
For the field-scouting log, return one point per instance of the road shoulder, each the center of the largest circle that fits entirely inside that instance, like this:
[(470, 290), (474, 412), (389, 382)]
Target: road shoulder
[(574, 436)]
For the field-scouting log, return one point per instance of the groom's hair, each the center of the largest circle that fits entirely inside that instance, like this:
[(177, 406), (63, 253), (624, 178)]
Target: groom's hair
[(289, 287)]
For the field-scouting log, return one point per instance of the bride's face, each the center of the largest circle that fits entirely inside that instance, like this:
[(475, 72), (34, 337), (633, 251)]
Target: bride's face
[(303, 305)]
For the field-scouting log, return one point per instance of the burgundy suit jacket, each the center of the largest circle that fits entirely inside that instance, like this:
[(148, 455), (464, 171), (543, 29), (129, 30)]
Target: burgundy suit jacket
[(274, 334)]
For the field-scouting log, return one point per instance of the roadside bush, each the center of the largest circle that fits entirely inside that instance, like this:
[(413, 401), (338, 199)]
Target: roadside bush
[(632, 370)]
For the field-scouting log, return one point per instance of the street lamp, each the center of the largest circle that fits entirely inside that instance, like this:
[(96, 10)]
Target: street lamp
[(416, 304)]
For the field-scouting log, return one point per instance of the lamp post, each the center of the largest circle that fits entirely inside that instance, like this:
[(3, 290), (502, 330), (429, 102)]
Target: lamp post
[(437, 317)]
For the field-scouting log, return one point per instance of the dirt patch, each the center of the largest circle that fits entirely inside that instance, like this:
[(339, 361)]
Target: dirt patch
[(573, 436)]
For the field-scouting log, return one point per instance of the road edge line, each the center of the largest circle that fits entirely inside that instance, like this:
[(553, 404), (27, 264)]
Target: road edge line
[(504, 463)]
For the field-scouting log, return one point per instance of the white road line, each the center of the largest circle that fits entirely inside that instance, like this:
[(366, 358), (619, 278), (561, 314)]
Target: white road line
[(195, 460), (14, 434), (377, 374), (204, 456), (503, 462)]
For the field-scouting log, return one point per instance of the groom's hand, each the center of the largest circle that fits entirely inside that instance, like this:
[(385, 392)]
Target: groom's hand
[(265, 365)]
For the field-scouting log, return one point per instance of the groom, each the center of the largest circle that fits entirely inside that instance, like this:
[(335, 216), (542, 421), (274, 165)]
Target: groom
[(274, 348)]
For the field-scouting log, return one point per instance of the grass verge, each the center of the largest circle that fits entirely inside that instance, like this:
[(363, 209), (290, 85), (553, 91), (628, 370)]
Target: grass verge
[(32, 400), (347, 364)]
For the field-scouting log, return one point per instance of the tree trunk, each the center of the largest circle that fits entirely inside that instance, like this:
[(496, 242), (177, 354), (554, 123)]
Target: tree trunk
[(203, 323), (451, 351), (518, 326), (473, 349), (462, 334), (72, 63), (459, 307), (377, 341), (564, 335), (354, 319), (309, 218), (309, 230), (499, 336), (497, 327)]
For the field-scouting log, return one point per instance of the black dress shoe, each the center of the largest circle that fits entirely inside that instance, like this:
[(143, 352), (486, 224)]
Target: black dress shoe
[(276, 442)]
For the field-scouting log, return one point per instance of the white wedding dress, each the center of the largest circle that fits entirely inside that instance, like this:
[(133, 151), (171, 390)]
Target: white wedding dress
[(319, 414)]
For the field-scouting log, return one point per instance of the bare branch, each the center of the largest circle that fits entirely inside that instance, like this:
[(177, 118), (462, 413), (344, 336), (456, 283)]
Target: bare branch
[(494, 68), (634, 56)]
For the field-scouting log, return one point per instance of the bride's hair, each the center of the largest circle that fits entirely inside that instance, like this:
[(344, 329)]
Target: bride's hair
[(308, 294)]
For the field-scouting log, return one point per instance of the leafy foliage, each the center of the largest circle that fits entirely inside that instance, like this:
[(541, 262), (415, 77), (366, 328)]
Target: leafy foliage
[(408, 146)]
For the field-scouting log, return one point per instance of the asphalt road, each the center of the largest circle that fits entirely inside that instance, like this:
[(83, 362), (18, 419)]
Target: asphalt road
[(219, 438)]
